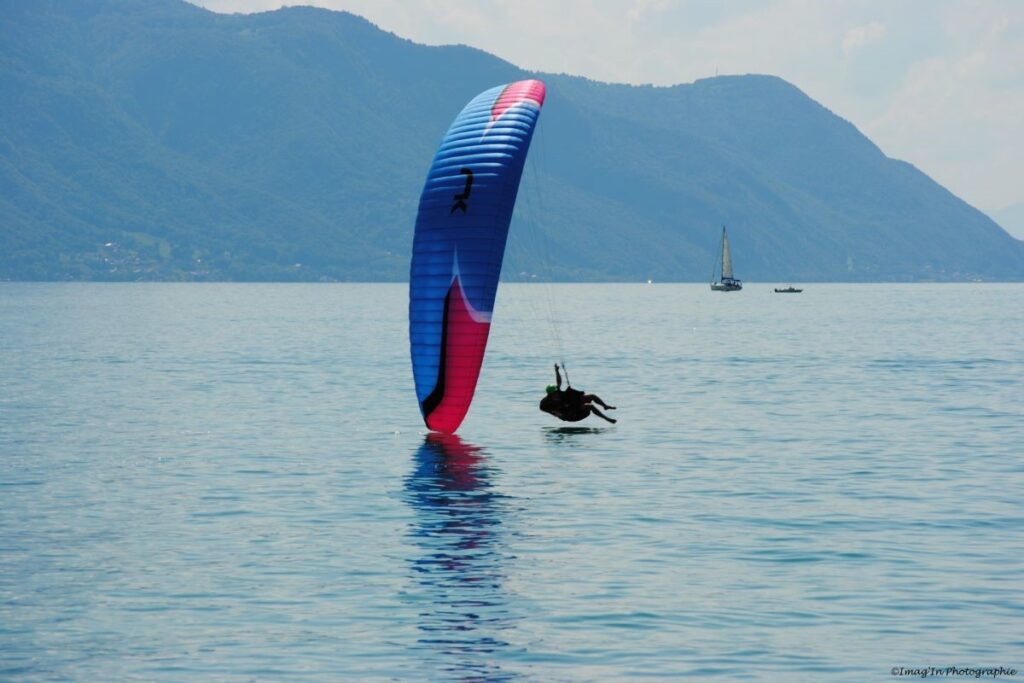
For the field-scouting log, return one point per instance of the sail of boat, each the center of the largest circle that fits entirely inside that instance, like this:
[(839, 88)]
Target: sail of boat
[(726, 257)]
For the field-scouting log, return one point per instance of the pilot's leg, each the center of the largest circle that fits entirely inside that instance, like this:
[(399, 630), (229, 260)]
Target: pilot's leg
[(597, 399)]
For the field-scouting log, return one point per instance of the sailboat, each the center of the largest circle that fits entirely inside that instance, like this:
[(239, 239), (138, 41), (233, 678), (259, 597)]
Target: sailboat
[(725, 283)]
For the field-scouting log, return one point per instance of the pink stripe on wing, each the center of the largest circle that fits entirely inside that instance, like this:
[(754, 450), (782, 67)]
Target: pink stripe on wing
[(516, 93), (464, 354)]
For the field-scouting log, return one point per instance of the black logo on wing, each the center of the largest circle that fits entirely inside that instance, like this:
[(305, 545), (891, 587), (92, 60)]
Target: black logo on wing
[(460, 199)]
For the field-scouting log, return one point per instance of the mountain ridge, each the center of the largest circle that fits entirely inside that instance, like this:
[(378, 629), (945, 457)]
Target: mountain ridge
[(161, 141), (1011, 219)]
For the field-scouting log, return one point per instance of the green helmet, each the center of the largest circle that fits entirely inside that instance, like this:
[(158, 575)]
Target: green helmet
[(551, 388)]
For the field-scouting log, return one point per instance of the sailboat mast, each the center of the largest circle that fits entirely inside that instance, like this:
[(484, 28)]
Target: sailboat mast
[(714, 264)]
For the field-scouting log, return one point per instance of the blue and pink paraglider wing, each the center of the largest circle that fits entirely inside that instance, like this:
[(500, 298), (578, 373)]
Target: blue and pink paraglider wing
[(461, 228)]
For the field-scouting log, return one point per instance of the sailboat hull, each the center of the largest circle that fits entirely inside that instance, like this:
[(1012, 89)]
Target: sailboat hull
[(726, 286)]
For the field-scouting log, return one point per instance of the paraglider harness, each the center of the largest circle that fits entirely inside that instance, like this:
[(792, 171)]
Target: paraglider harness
[(565, 404)]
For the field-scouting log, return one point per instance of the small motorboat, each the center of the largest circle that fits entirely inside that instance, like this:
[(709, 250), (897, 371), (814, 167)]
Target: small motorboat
[(787, 290)]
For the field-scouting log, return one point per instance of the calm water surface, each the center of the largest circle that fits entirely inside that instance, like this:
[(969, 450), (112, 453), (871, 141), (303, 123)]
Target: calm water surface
[(232, 483)]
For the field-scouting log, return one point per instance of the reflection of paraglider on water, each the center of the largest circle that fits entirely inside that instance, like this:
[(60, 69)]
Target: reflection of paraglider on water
[(458, 569)]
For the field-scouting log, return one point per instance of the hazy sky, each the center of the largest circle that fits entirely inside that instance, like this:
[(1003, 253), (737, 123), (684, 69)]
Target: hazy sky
[(939, 83)]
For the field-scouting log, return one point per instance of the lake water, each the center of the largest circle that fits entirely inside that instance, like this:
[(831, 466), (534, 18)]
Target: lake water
[(231, 483)]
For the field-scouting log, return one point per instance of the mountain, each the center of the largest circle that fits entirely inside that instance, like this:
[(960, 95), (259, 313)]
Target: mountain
[(154, 140), (1011, 219)]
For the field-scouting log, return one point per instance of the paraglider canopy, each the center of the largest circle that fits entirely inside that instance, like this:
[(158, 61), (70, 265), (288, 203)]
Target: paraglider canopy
[(459, 244)]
